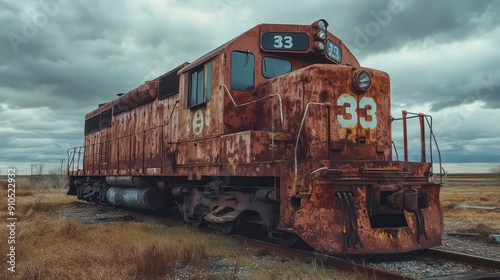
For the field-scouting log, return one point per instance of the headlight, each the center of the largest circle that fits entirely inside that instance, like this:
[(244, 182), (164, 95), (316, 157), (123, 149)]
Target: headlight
[(320, 35), (319, 47), (361, 81), (322, 24)]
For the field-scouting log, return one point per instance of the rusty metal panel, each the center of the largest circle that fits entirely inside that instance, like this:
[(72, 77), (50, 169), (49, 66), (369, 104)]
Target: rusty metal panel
[(152, 150), (143, 94), (113, 156), (266, 169), (125, 154), (137, 160), (236, 148), (290, 88), (315, 135), (122, 131), (172, 124), (104, 151), (152, 138), (319, 224), (254, 147), (95, 153), (206, 151)]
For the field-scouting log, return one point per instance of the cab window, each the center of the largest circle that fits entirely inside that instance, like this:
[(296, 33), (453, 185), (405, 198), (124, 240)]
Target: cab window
[(272, 66), (200, 85), (242, 70)]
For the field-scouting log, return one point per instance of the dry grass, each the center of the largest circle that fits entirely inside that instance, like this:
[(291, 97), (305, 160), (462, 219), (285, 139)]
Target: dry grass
[(29, 202), (480, 220), (49, 246), (482, 178)]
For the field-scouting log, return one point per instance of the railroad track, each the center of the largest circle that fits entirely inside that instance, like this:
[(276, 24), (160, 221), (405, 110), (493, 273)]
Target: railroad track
[(365, 269), (358, 265), (371, 272), (330, 261), (471, 260)]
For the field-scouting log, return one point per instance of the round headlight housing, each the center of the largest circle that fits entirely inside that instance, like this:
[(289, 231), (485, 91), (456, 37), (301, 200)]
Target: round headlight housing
[(320, 35), (361, 81), (322, 25), (319, 47)]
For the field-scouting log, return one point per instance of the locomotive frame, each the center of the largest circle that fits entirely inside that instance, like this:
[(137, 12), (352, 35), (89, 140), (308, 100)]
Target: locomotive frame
[(279, 129)]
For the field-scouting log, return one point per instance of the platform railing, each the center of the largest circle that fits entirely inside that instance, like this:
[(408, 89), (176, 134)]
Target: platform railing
[(424, 121), (75, 160)]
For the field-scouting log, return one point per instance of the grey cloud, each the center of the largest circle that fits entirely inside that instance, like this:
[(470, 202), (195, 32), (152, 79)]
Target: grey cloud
[(89, 51), (483, 88), (430, 22)]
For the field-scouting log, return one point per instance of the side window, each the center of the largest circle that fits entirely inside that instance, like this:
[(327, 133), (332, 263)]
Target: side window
[(200, 85), (242, 70), (272, 67)]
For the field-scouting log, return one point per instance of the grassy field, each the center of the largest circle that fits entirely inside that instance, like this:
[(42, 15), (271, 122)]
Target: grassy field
[(474, 220), (49, 246)]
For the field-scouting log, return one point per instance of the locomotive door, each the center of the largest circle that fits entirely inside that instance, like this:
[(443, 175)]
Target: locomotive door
[(104, 152), (170, 136)]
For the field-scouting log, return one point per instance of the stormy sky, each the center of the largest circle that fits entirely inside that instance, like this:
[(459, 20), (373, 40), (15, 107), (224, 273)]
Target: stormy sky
[(60, 58)]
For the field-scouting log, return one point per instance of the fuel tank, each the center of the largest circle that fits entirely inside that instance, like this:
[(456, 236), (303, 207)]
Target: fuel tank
[(152, 199), (129, 181)]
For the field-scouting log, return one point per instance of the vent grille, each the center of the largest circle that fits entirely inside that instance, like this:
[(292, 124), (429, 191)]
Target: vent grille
[(169, 83), (106, 119), (98, 122)]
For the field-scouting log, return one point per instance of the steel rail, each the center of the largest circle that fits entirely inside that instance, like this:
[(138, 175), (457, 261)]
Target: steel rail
[(329, 261), (472, 260)]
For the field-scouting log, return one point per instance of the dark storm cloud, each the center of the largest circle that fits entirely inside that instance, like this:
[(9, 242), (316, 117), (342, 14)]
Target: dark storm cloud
[(40, 61), (369, 27), (377, 29), (60, 58), (482, 88), (90, 51)]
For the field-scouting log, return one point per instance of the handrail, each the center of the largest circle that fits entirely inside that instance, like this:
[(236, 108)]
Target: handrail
[(71, 153), (326, 104), (395, 149), (431, 134), (423, 119), (255, 101)]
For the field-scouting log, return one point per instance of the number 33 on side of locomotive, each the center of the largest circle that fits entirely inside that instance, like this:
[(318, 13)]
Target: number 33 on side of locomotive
[(350, 118)]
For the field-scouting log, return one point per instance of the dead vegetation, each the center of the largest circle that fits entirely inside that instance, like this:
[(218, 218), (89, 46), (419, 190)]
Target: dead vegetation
[(474, 220), (49, 246)]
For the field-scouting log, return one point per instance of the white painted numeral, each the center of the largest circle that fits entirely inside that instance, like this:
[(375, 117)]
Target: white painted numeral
[(350, 118), (288, 42), (343, 101), (278, 42), (333, 51), (364, 103)]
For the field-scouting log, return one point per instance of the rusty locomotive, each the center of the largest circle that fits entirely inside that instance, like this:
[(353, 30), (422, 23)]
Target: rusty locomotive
[(280, 130)]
